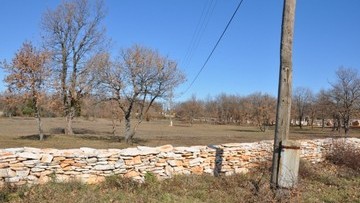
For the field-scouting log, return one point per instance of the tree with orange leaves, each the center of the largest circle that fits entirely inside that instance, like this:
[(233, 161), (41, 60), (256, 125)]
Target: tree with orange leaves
[(27, 74)]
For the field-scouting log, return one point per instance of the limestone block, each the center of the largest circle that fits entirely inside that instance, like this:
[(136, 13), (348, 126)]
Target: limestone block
[(179, 149), (12, 179), (46, 173), (197, 148), (241, 170), (77, 164), (58, 158), (15, 150), (4, 165), (131, 174), (89, 151), (165, 148), (32, 178), (7, 173), (161, 164), (170, 155), (67, 168), (101, 163), (148, 150), (71, 153), (113, 158), (29, 155), (175, 163), (104, 155), (119, 171), (133, 161), (196, 161), (36, 169), (209, 171), (169, 171), (91, 160), (197, 170), (104, 167), (130, 152), (68, 161), (119, 163), (46, 158), (44, 179), (49, 151)]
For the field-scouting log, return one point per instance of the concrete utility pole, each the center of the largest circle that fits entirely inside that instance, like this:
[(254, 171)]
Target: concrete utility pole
[(285, 87)]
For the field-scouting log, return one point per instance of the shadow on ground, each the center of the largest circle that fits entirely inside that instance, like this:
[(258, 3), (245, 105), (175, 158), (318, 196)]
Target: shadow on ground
[(34, 137)]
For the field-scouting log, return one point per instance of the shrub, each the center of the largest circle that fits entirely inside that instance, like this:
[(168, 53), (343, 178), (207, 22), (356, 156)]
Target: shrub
[(345, 154)]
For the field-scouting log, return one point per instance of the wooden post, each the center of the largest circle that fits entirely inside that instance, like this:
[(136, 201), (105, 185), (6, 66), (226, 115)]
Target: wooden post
[(285, 86)]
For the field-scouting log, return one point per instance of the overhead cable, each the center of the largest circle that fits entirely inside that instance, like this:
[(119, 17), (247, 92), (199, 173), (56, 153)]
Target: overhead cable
[(212, 51)]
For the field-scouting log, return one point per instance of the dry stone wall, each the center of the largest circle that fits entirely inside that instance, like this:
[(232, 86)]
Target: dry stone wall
[(35, 166)]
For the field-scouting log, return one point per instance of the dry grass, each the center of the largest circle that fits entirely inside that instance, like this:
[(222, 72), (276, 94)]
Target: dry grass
[(19, 132), (323, 182)]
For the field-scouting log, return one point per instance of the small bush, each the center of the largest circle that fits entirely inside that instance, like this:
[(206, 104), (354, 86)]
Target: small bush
[(345, 154), (121, 183)]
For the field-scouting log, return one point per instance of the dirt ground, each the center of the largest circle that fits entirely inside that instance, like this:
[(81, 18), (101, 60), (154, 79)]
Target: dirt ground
[(20, 132)]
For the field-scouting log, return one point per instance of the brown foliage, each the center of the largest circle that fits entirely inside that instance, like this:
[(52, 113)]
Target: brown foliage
[(345, 154), (27, 75)]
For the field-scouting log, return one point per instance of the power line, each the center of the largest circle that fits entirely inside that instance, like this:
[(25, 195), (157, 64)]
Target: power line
[(212, 51), (199, 31)]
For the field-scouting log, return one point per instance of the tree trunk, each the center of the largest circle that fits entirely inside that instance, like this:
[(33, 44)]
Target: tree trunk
[(69, 119), (300, 121), (322, 124), (346, 125), (37, 114), (113, 122), (312, 123), (129, 134), (38, 118), (41, 135)]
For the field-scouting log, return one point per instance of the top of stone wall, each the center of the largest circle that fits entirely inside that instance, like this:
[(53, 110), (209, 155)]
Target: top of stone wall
[(33, 153)]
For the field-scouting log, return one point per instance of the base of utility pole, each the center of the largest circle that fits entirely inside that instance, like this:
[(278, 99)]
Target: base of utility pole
[(289, 164)]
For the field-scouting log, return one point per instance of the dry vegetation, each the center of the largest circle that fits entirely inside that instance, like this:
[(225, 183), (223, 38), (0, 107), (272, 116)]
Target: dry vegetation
[(325, 182), (19, 132)]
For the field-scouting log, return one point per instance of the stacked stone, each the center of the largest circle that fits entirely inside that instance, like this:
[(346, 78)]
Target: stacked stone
[(313, 150), (35, 166)]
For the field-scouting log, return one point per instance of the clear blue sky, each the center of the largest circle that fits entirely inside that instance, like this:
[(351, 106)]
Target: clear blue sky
[(327, 36)]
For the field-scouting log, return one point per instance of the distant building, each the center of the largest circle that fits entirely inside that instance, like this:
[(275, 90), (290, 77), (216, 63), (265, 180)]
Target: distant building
[(355, 122)]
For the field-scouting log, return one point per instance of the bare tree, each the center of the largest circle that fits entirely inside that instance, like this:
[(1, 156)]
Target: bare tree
[(262, 109), (346, 94), (27, 74), (190, 110), (73, 32), (228, 108), (136, 80), (324, 105), (302, 98)]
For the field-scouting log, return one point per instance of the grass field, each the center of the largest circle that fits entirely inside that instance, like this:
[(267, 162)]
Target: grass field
[(335, 180), (19, 132)]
